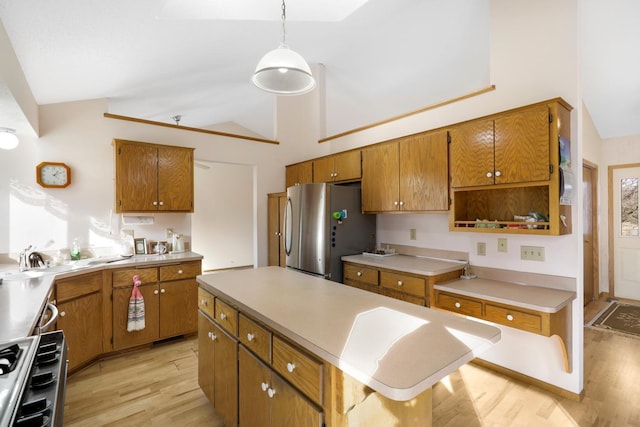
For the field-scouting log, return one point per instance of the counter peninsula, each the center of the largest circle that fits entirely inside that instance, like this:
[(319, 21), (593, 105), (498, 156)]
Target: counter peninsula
[(370, 347)]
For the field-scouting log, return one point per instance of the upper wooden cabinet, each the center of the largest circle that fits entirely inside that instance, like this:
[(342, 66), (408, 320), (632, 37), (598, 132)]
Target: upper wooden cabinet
[(151, 177), (299, 173), (346, 166), (510, 148), (505, 166), (408, 174)]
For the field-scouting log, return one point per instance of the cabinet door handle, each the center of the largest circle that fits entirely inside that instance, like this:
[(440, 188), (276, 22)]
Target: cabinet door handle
[(162, 291), (291, 366), (457, 304), (63, 313), (401, 203), (264, 386), (395, 203), (489, 174), (180, 271), (155, 292), (250, 337), (498, 173), (155, 203), (399, 282), (203, 302), (359, 273), (271, 392), (223, 316), (161, 203), (509, 317), (212, 336)]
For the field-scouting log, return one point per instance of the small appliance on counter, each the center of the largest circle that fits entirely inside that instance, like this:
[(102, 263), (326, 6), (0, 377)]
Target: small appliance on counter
[(177, 243), (322, 223)]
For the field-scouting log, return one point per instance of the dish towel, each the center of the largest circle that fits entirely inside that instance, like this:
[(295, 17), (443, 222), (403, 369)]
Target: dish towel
[(135, 316)]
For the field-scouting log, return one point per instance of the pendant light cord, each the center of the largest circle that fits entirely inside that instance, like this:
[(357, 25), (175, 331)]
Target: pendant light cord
[(284, 17)]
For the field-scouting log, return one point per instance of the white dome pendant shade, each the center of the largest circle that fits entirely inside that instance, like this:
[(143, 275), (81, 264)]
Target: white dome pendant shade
[(284, 72), (8, 139)]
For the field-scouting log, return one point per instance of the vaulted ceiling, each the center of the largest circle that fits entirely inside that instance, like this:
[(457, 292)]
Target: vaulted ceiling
[(154, 59)]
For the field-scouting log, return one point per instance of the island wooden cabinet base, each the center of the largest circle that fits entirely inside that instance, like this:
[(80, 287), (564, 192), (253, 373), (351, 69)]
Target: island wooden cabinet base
[(355, 404)]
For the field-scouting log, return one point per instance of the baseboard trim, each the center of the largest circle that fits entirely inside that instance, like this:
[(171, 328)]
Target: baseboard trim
[(530, 380)]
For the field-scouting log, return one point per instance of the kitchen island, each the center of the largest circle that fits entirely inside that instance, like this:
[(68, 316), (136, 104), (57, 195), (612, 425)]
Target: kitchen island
[(373, 359)]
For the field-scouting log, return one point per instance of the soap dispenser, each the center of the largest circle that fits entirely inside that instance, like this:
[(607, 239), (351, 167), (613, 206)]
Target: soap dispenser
[(75, 251)]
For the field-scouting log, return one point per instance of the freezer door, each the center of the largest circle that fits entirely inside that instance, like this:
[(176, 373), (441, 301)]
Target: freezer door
[(306, 228)]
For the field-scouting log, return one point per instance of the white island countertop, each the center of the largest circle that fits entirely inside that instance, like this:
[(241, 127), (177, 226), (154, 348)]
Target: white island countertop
[(396, 348)]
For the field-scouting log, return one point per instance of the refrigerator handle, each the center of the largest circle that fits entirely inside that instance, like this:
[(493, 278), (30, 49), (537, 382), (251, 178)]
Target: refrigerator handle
[(287, 226)]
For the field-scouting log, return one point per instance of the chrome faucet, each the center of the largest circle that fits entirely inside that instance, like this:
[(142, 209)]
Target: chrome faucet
[(24, 258)]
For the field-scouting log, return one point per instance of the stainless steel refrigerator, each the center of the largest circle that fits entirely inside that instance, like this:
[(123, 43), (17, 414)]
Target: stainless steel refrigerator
[(322, 223)]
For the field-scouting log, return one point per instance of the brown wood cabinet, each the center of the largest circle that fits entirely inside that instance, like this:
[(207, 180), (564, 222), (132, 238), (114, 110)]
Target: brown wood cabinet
[(275, 228), (151, 177), (341, 167), (525, 319), (408, 174), (79, 302), (265, 399), (505, 166), (218, 368), (170, 301), (413, 288), (299, 173)]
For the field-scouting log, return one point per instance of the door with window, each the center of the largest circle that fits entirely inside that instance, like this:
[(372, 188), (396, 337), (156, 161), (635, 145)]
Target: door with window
[(625, 182)]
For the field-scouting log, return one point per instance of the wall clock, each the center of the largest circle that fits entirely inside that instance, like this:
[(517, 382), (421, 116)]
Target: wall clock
[(53, 175)]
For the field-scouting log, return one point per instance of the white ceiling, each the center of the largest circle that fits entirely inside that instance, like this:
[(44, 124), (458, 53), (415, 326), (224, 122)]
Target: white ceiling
[(154, 59)]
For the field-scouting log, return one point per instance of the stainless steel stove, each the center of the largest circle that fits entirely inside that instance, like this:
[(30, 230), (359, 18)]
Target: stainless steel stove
[(33, 376)]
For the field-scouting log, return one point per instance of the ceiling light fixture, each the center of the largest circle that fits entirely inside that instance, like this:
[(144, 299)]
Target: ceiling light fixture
[(8, 139), (283, 71)]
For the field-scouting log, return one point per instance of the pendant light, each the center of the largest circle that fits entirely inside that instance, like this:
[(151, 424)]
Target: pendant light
[(8, 139), (283, 71)]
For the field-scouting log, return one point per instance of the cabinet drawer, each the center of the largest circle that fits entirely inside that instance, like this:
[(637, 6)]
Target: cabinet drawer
[(515, 318), (226, 316), (67, 289), (255, 337), (360, 273), (400, 282), (186, 270), (124, 277), (300, 369), (205, 302), (459, 304)]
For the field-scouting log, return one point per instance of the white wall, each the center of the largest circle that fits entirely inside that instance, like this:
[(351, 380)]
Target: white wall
[(534, 57)]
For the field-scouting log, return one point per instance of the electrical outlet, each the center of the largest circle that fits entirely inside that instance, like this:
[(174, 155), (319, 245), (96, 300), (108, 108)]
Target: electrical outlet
[(482, 248), (532, 253), (169, 233), (502, 244), (412, 234)]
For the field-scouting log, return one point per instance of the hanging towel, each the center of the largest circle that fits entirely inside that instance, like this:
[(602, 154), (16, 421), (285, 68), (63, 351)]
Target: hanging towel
[(135, 316)]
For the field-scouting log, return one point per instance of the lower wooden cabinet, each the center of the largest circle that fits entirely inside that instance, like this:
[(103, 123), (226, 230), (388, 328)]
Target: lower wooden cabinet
[(265, 399), (79, 302), (170, 303), (218, 369)]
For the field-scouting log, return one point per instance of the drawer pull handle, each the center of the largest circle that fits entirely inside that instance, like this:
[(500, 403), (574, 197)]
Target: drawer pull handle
[(162, 291), (250, 337), (264, 386), (498, 173), (509, 317), (223, 316), (489, 174), (291, 367), (359, 273), (457, 304), (271, 392), (399, 282), (156, 292), (180, 271)]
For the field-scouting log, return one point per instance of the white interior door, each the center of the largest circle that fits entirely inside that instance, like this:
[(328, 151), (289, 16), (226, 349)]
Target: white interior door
[(626, 238)]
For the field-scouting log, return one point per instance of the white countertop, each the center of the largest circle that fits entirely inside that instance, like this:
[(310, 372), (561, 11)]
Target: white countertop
[(537, 298), (408, 263), (396, 348), (22, 300)]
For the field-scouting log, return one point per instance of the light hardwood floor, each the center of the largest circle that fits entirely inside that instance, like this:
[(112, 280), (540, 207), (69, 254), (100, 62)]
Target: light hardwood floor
[(159, 387)]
